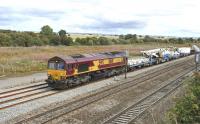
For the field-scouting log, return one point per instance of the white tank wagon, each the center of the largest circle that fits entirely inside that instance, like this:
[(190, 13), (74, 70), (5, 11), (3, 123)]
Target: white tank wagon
[(174, 54), (137, 62), (165, 55), (184, 51)]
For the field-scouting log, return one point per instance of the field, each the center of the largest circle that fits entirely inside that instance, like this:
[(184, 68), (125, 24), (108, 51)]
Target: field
[(78, 35), (23, 60)]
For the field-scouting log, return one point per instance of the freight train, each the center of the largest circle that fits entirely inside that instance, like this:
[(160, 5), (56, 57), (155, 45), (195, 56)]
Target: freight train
[(68, 71)]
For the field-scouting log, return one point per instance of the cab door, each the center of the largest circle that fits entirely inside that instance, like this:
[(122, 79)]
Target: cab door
[(70, 69)]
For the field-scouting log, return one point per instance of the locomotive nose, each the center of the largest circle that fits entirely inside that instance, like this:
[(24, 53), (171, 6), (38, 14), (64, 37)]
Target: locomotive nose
[(56, 74)]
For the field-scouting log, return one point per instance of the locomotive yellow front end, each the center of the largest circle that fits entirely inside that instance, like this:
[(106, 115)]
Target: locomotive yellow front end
[(56, 72)]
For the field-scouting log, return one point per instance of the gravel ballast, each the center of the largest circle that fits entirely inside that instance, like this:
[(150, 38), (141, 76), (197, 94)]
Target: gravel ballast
[(10, 113)]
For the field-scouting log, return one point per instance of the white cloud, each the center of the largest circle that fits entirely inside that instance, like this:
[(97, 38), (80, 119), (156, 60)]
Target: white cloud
[(155, 17)]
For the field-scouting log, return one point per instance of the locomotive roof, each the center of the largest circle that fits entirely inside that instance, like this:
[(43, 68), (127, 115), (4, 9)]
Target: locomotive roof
[(89, 57)]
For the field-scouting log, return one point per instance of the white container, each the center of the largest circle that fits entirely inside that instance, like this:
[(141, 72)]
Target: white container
[(174, 54), (184, 50)]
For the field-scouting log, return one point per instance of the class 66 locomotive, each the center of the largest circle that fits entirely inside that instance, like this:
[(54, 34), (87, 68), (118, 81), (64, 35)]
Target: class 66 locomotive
[(67, 71)]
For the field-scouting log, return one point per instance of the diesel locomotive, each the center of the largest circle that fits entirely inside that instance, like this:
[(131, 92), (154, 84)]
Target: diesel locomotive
[(67, 71)]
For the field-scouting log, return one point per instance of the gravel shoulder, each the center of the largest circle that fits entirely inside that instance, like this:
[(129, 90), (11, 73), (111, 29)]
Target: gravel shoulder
[(9, 115), (12, 82)]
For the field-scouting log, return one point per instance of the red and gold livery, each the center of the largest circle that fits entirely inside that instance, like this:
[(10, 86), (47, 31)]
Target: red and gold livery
[(64, 72)]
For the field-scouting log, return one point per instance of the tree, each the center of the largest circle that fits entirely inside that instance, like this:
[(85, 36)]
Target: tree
[(5, 40), (172, 40), (128, 36), (94, 40), (28, 39), (46, 30), (62, 33), (115, 41), (77, 41), (44, 39), (121, 36), (63, 37), (55, 40), (83, 41), (70, 40), (148, 39), (123, 41), (180, 41), (191, 39), (198, 39), (67, 41), (104, 41), (22, 39), (37, 41), (133, 39)]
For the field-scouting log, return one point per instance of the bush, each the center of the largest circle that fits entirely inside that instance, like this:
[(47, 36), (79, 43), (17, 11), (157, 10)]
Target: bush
[(104, 41), (123, 41), (5, 40), (187, 110)]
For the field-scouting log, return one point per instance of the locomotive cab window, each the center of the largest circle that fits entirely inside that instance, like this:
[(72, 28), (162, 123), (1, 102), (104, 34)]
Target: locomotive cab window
[(60, 66), (51, 65), (56, 65)]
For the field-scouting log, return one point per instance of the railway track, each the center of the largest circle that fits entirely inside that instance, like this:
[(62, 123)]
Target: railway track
[(25, 94), (58, 111), (131, 113), (26, 88)]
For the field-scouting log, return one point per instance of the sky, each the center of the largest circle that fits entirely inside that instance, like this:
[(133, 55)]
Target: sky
[(144, 17)]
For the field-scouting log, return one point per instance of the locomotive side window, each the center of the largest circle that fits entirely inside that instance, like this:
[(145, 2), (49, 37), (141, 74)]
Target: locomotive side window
[(83, 67)]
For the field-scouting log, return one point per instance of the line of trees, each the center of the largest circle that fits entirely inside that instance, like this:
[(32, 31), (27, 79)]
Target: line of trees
[(48, 37), (26, 39)]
